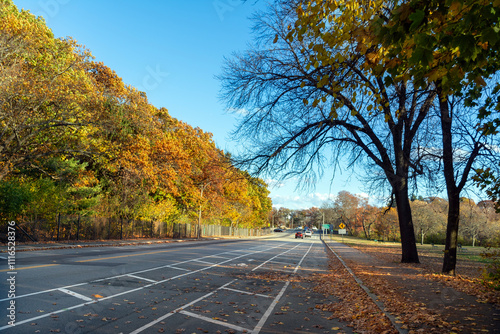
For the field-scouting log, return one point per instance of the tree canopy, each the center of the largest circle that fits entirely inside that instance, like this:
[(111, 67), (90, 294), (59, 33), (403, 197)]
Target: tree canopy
[(75, 139)]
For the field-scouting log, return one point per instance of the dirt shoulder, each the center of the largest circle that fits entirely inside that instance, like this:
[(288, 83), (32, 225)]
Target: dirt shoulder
[(419, 299)]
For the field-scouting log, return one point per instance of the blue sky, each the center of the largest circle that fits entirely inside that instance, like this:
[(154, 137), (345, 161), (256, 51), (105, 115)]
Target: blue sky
[(172, 50)]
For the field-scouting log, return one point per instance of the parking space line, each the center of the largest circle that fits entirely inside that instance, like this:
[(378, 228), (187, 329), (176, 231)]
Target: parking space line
[(266, 315), (179, 268), (141, 278), (146, 326), (217, 256), (249, 293), (263, 263), (121, 256), (279, 262), (93, 301), (217, 322), (201, 261), (75, 294)]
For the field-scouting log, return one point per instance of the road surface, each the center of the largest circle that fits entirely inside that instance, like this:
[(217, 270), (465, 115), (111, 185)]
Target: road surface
[(239, 286)]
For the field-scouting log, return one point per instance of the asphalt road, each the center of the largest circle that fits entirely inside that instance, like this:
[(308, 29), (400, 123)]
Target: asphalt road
[(243, 286)]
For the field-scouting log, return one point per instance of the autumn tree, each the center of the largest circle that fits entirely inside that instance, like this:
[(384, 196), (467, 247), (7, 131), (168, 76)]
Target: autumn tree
[(423, 217), (452, 45), (368, 217), (74, 139), (314, 92), (46, 95), (387, 224)]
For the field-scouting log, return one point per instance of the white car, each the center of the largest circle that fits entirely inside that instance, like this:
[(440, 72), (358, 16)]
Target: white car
[(308, 233)]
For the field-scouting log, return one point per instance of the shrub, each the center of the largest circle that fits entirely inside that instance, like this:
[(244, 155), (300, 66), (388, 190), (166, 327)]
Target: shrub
[(491, 273)]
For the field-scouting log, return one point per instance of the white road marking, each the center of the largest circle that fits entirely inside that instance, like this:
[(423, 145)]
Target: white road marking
[(248, 293), (201, 261), (179, 268), (141, 278), (93, 301), (266, 315), (217, 322), (146, 326), (263, 263), (74, 294)]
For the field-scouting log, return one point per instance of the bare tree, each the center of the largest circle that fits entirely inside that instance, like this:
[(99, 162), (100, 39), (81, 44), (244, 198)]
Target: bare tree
[(300, 115)]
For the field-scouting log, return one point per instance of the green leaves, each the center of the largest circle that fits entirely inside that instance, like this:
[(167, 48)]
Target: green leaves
[(417, 18)]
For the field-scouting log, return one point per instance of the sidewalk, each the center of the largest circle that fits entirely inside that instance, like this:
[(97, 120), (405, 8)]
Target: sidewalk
[(416, 300)]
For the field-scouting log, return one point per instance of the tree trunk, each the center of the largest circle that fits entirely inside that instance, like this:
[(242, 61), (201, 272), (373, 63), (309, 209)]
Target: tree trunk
[(450, 250), (408, 242)]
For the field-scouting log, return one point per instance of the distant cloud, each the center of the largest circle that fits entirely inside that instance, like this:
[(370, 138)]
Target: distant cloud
[(274, 183), (238, 111), (301, 202), (298, 202)]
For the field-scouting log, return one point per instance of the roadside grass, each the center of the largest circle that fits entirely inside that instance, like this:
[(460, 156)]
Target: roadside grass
[(467, 253), (471, 269)]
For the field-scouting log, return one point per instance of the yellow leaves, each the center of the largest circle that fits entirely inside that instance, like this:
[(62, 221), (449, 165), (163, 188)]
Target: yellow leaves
[(333, 114), (372, 58), (479, 80), (455, 7)]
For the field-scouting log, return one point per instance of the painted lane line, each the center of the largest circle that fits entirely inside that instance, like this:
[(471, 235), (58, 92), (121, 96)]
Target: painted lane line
[(48, 314), (283, 270), (125, 292), (141, 278), (117, 276), (201, 261), (146, 326), (32, 267), (249, 293), (266, 315), (263, 263), (122, 256), (280, 262), (177, 268), (216, 256), (74, 294), (217, 322), (40, 292)]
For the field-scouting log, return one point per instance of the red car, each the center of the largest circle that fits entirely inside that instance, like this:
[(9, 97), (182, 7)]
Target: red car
[(299, 235)]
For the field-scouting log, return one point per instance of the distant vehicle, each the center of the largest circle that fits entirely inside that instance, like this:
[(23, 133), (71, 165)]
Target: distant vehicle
[(308, 233), (278, 230), (315, 228), (299, 235)]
